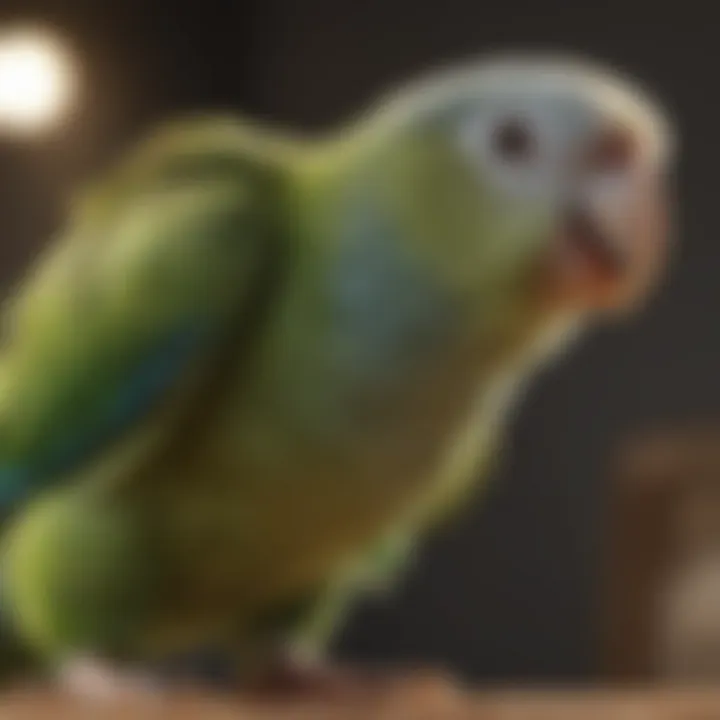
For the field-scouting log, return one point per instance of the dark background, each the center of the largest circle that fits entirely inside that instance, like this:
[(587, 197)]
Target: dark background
[(511, 591)]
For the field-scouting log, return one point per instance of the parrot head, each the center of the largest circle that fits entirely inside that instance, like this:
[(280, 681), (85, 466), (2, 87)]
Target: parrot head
[(548, 173)]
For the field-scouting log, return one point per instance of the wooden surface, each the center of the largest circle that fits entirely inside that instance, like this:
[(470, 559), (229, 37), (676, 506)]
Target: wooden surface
[(496, 705)]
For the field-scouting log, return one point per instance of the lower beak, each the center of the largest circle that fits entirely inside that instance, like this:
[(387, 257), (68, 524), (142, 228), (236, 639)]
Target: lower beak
[(591, 263)]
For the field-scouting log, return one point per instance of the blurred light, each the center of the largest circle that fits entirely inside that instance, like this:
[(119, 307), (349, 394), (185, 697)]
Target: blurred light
[(37, 80)]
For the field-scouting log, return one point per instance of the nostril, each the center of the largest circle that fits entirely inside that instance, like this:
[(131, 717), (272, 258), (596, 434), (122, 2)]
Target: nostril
[(614, 150)]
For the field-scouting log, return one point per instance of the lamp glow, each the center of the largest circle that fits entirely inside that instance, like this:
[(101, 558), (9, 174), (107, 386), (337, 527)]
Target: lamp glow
[(36, 81)]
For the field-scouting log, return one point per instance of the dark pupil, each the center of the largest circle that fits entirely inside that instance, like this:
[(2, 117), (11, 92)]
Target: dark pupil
[(514, 142)]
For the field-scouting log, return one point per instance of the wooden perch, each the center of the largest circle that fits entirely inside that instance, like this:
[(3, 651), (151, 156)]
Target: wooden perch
[(666, 704)]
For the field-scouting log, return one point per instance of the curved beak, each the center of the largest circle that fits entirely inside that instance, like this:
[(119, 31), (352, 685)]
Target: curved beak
[(607, 255)]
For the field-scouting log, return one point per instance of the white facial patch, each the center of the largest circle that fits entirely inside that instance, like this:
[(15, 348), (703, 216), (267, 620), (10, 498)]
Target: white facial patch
[(564, 111), (517, 151)]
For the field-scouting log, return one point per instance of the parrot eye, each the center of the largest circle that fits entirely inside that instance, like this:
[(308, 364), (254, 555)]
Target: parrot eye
[(514, 142)]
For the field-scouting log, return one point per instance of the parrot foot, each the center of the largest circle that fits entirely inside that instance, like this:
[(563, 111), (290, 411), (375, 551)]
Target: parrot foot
[(93, 680), (294, 679)]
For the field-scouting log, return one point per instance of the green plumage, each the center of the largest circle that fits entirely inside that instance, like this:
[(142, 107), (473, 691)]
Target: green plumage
[(252, 371)]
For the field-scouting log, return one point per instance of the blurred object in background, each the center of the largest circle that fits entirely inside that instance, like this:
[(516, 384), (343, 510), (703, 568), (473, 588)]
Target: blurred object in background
[(663, 620), (37, 81), (689, 621)]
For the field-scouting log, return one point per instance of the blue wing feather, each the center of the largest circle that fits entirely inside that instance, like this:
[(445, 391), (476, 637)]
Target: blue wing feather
[(140, 391)]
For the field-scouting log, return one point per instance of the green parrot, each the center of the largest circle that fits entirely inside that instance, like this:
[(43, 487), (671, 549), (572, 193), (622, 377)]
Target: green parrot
[(254, 370)]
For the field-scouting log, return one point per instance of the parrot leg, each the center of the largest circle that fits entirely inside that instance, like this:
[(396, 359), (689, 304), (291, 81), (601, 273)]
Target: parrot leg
[(298, 634), (300, 669)]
